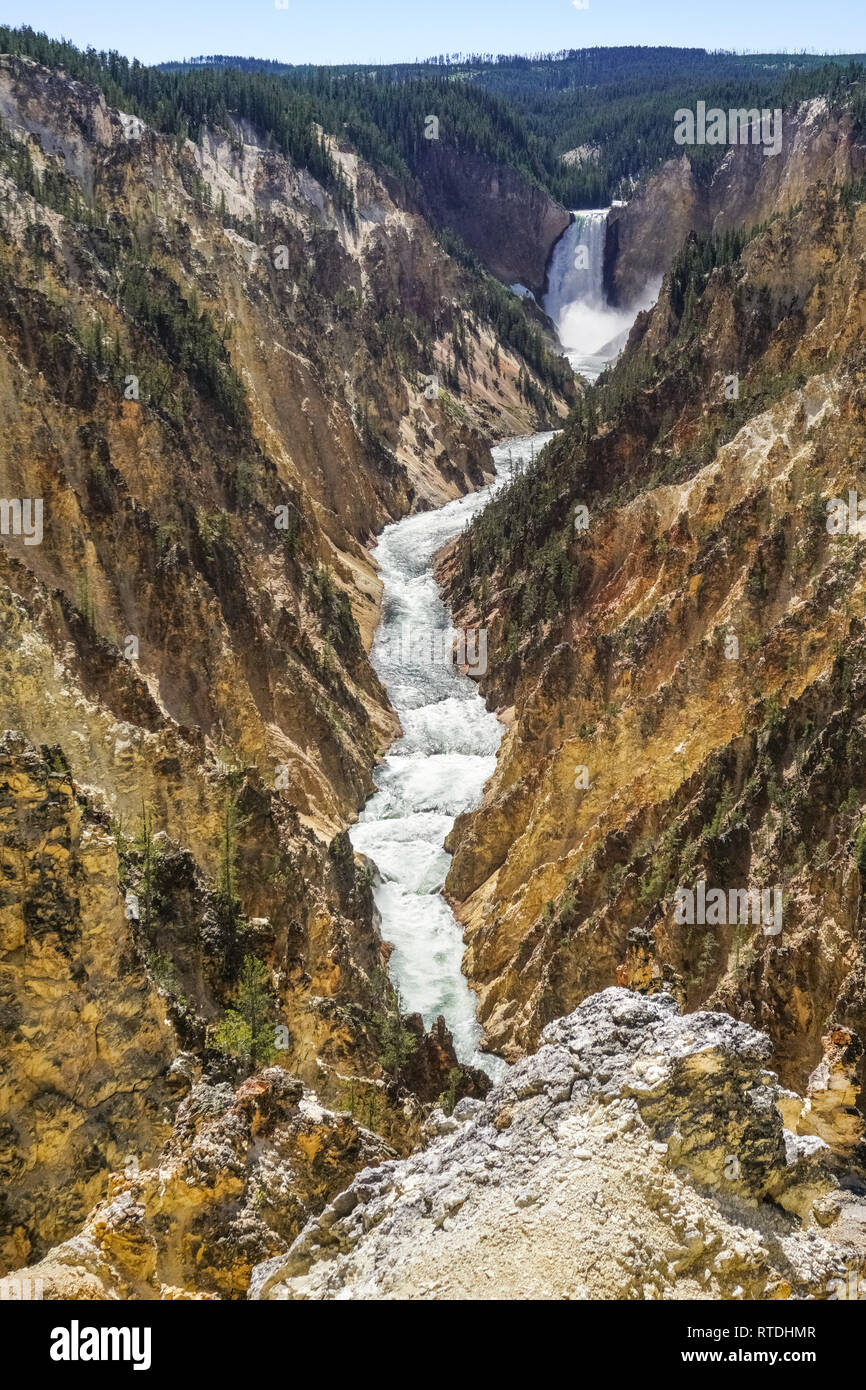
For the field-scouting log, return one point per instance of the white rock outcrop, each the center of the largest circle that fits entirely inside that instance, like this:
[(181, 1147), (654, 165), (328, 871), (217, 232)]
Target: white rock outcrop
[(638, 1154)]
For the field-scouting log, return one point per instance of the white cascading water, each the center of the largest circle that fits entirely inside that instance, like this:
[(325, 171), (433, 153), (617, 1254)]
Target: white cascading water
[(436, 770), (591, 333)]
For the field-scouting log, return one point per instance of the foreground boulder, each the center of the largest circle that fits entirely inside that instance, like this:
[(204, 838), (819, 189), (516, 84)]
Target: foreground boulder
[(638, 1154)]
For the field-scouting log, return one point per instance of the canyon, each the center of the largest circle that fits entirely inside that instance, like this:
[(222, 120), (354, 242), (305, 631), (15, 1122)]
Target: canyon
[(332, 971), (707, 541), (213, 775)]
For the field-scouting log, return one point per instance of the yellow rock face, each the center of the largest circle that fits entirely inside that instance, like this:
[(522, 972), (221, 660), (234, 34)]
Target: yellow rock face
[(733, 761), (241, 1174), (86, 1040)]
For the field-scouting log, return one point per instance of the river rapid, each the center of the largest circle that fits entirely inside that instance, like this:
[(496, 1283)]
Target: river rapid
[(437, 769)]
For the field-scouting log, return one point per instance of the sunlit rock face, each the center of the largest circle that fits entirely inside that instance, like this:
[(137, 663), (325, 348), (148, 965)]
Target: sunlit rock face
[(638, 1154), (241, 1173), (818, 143), (86, 1041), (696, 649), (161, 482)]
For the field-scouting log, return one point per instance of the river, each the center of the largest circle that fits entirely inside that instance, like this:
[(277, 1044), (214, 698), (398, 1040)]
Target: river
[(437, 769)]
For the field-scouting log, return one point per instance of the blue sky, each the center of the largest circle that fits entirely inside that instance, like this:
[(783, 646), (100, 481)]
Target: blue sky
[(325, 31)]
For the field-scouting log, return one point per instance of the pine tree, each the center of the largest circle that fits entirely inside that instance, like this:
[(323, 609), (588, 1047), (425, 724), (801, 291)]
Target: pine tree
[(228, 904), (247, 1030), (396, 1043)]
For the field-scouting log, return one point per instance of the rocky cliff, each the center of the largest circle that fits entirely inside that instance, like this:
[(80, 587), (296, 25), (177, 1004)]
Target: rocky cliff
[(637, 1155), (87, 1046), (677, 632), (117, 963), (819, 143), (240, 1175), (511, 224)]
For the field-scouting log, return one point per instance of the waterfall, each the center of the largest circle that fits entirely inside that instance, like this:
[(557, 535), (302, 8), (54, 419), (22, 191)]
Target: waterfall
[(590, 331), (577, 265)]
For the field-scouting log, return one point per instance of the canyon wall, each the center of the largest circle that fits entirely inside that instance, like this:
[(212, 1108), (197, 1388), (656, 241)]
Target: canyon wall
[(510, 223), (819, 143), (679, 668)]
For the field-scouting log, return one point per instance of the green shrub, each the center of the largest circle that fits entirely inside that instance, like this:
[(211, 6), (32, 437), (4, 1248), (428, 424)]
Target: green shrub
[(247, 1030)]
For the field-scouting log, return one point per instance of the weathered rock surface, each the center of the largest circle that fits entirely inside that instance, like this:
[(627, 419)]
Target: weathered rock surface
[(432, 1068), (96, 1005), (240, 1175), (638, 1154), (86, 1045), (818, 143)]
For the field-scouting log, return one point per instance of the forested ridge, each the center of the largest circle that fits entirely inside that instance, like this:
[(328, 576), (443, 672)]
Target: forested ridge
[(181, 102), (614, 105)]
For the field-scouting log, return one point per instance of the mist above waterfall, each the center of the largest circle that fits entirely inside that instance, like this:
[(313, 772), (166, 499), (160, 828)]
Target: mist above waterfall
[(591, 332)]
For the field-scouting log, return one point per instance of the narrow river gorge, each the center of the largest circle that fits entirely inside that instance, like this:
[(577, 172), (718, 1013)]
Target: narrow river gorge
[(437, 769), (433, 684)]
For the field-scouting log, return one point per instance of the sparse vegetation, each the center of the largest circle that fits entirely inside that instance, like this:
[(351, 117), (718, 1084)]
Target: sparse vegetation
[(396, 1042), (247, 1030)]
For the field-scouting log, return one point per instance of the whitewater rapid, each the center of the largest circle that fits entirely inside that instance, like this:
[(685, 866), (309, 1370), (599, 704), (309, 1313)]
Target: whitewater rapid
[(436, 770)]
